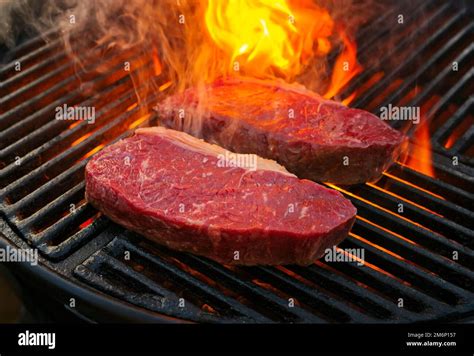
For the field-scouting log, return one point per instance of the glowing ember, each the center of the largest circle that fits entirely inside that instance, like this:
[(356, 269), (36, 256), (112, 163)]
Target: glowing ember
[(139, 121), (165, 86), (92, 152), (450, 141), (157, 68), (87, 223), (131, 107), (80, 139)]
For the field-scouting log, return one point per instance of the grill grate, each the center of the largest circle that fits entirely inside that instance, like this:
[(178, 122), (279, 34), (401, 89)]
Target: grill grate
[(408, 255)]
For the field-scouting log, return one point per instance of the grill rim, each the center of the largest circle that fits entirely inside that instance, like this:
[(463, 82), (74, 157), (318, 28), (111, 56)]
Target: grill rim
[(112, 306)]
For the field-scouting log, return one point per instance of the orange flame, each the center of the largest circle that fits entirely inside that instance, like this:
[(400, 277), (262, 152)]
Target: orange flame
[(420, 157), (345, 68), (277, 38), (254, 32)]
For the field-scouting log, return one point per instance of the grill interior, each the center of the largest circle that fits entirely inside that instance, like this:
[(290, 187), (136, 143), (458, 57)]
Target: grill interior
[(423, 255)]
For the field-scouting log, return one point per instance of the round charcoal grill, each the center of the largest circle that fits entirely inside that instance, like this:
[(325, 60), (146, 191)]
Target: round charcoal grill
[(421, 255)]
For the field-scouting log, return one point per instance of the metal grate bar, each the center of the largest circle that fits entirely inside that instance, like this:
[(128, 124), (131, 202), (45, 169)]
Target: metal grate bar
[(32, 43), (419, 235), (448, 191), (364, 100), (323, 276), (445, 50), (414, 300), (69, 175), (69, 154), (57, 143), (435, 203), (375, 90), (417, 214), (146, 283), (119, 245), (253, 291), (378, 30), (418, 278), (446, 128), (73, 242), (60, 228), (28, 144), (54, 92), (314, 297), (466, 140), (56, 206), (427, 90), (15, 83), (452, 93), (425, 267), (30, 58), (460, 258)]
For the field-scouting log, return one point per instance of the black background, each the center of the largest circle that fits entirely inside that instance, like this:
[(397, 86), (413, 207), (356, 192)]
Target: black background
[(288, 338)]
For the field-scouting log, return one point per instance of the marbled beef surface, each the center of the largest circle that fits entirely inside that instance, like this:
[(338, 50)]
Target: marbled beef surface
[(312, 137), (174, 189)]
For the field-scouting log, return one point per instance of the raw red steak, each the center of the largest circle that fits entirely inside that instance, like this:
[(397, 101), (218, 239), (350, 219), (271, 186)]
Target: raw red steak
[(312, 137), (184, 193)]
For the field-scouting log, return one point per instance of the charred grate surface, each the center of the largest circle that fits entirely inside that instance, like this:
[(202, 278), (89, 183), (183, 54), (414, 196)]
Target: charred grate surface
[(415, 224)]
